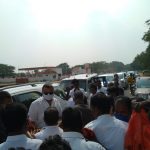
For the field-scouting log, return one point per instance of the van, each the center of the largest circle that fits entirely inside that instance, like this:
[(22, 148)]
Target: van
[(84, 81)]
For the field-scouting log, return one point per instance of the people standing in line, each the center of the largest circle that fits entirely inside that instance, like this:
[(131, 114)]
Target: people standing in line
[(5, 99), (109, 131), (51, 118), (15, 121), (37, 108), (72, 126)]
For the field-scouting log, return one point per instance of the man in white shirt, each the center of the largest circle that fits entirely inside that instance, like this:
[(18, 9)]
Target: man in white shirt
[(51, 117), (37, 108), (72, 126), (109, 131), (15, 120), (100, 88), (75, 84)]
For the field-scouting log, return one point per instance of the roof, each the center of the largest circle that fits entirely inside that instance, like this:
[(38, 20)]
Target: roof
[(108, 74), (36, 68), (81, 76), (23, 88)]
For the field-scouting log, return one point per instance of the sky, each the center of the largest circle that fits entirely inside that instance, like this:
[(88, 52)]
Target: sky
[(35, 33)]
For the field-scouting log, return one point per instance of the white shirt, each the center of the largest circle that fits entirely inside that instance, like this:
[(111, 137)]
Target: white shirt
[(70, 102), (71, 93), (103, 90), (20, 141), (77, 142), (48, 131), (37, 108), (109, 131)]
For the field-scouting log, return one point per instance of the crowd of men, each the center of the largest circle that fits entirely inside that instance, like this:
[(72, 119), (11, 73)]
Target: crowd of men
[(105, 120)]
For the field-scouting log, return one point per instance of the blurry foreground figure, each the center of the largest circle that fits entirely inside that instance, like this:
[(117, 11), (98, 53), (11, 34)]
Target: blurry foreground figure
[(138, 133), (55, 143)]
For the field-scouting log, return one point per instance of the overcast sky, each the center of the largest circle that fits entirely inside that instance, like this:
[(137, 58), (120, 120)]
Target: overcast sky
[(49, 32)]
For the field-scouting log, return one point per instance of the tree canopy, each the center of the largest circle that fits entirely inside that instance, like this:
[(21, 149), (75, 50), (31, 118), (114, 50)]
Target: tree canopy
[(65, 68), (142, 61), (6, 71)]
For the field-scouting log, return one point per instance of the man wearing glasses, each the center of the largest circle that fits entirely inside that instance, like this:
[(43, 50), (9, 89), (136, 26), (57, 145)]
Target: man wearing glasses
[(37, 108)]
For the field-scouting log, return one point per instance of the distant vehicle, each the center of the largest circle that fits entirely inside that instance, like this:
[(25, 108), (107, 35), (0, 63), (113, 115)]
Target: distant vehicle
[(27, 93), (84, 81), (143, 87), (106, 79), (123, 80)]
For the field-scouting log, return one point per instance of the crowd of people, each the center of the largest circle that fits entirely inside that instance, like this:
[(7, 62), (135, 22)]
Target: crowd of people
[(103, 120)]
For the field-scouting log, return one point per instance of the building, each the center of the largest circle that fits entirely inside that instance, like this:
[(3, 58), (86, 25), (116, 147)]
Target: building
[(42, 73), (85, 69)]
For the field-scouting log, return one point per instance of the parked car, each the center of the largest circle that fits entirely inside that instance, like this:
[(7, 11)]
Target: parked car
[(123, 80), (27, 93), (84, 81), (106, 79), (143, 87)]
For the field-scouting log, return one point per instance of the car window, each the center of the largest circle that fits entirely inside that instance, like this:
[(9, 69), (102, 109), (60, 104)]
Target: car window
[(121, 76), (143, 83), (110, 78), (67, 83), (27, 98)]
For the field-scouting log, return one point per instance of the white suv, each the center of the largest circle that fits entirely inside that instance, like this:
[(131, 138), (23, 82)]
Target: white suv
[(27, 93)]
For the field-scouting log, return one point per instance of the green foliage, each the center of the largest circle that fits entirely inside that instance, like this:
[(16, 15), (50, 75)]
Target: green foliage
[(104, 67), (65, 68), (6, 71), (142, 61)]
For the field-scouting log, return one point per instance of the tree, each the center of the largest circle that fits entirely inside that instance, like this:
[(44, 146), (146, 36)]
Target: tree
[(142, 61), (6, 71), (65, 68)]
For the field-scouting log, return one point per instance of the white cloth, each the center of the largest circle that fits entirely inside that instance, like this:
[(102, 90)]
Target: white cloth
[(103, 90), (77, 142), (37, 108), (20, 141), (109, 131), (48, 131), (71, 93), (70, 102)]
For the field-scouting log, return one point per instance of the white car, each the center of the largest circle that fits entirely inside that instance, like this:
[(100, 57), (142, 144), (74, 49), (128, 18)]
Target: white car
[(84, 81), (27, 93), (106, 79), (123, 80), (143, 87)]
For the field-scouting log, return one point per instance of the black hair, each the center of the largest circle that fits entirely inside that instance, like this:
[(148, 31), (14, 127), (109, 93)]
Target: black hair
[(15, 117), (78, 95), (102, 103), (93, 86), (75, 81), (126, 101), (72, 119), (47, 85), (55, 143), (115, 90), (3, 96), (51, 116)]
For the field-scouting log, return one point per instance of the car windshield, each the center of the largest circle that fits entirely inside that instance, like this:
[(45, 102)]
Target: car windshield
[(121, 76), (67, 83), (110, 78), (143, 83)]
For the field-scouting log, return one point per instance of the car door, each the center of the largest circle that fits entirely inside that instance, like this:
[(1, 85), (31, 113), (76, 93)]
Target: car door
[(27, 98)]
